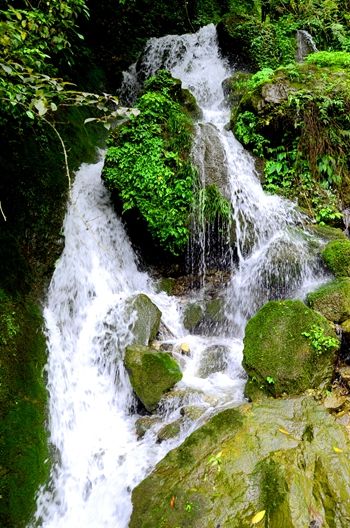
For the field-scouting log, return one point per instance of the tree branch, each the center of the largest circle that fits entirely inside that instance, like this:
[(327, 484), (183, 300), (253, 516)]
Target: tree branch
[(2, 212), (63, 148)]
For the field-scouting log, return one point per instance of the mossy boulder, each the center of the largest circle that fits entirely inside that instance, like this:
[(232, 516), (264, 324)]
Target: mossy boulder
[(169, 430), (147, 321), (279, 358), (336, 255), (288, 458), (332, 300), (151, 373)]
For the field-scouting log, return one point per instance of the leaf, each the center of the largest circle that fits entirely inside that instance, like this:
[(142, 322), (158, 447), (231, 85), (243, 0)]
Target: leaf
[(284, 431), (172, 502), (30, 114), (258, 517), (337, 450), (89, 119), (40, 106), (53, 107), (6, 68)]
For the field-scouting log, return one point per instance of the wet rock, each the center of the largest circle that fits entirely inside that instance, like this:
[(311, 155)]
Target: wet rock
[(214, 359), (168, 285), (278, 358), (327, 232), (344, 373), (144, 424), (146, 324), (192, 412), (337, 257), (288, 457), (192, 316), (151, 373), (332, 300), (169, 430), (201, 316)]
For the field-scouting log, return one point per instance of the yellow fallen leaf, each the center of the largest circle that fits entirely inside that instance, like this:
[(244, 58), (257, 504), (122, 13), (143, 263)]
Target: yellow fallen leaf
[(185, 348), (284, 431), (337, 450), (258, 517)]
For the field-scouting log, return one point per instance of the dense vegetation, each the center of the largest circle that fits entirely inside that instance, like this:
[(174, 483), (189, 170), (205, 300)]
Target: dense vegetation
[(148, 161)]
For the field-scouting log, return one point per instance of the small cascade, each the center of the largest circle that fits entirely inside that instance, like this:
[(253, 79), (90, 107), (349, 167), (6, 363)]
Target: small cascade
[(305, 45), (98, 457)]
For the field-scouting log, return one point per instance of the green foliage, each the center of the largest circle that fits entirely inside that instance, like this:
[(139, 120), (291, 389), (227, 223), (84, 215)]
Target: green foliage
[(211, 204), (149, 164), (320, 342), (246, 131), (340, 59)]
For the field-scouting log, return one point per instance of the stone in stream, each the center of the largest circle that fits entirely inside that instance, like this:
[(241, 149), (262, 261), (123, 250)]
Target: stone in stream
[(169, 431), (332, 300), (214, 359), (288, 457), (151, 373), (144, 424), (146, 324), (279, 358)]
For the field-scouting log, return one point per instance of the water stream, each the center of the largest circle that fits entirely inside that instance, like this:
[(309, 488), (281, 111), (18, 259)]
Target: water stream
[(98, 458)]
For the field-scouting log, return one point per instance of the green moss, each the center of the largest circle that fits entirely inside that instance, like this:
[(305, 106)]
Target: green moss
[(277, 357), (332, 300), (24, 458), (327, 232), (151, 373), (337, 257)]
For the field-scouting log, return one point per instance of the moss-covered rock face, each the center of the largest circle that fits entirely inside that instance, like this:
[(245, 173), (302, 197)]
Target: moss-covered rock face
[(336, 255), (332, 300), (147, 320), (285, 457), (281, 353), (151, 373)]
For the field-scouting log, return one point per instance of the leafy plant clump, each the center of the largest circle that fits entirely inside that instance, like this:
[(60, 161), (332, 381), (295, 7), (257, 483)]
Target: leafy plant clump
[(320, 342), (148, 163)]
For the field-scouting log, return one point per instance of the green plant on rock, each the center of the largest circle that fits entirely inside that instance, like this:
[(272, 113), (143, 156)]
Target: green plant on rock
[(246, 131), (320, 342), (148, 164)]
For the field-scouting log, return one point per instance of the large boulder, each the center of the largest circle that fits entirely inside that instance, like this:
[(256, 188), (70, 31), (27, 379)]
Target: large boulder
[(151, 373), (286, 460), (146, 322), (332, 300), (288, 348), (336, 255)]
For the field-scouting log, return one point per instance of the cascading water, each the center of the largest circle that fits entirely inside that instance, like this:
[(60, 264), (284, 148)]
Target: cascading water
[(97, 456)]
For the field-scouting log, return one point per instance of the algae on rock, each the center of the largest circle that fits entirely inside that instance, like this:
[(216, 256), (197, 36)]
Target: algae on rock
[(151, 373), (278, 357), (332, 300), (336, 255), (288, 457)]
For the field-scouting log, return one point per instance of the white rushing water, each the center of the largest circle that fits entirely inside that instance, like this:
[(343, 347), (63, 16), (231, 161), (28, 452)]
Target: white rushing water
[(98, 458)]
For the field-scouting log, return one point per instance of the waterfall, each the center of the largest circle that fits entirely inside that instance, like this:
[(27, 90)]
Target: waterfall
[(97, 457), (305, 45)]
